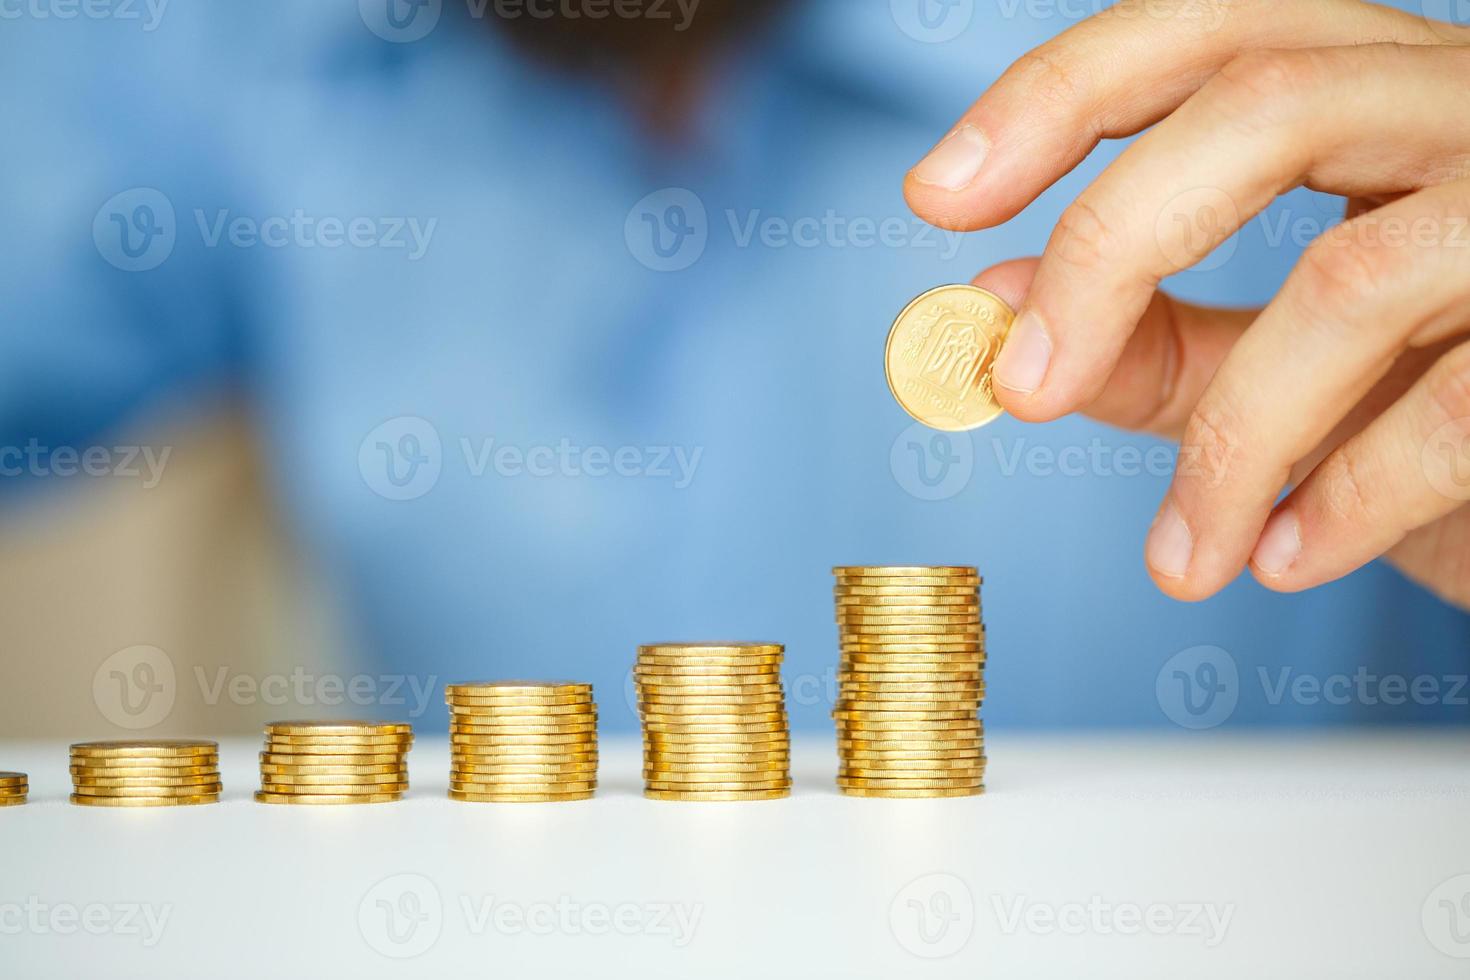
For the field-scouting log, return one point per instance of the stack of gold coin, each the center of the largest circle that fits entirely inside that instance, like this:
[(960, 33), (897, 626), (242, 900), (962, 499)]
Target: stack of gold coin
[(714, 721), (522, 741), (168, 772), (911, 681), (334, 762), (14, 788)]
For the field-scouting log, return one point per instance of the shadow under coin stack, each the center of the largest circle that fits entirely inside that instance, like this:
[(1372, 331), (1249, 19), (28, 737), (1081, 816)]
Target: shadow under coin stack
[(14, 788), (522, 741), (167, 772), (321, 763), (714, 721), (911, 681)]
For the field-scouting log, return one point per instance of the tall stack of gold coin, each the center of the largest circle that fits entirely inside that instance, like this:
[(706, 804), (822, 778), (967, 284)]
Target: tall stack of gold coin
[(911, 681), (167, 772), (522, 741), (14, 788), (334, 762), (714, 721)]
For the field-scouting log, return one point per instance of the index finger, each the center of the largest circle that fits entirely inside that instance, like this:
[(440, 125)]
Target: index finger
[(1111, 76)]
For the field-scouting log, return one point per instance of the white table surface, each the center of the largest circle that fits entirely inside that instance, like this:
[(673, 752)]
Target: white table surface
[(1091, 856)]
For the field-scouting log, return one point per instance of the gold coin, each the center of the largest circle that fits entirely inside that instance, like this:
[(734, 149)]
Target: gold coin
[(354, 760), (689, 693), (909, 770), (890, 783), (462, 728), (337, 728), (345, 743), (524, 769), (922, 600), (921, 688), (902, 615), (715, 757), (884, 757), (712, 702), (727, 786), (522, 784), (333, 778), (963, 725), (940, 355), (902, 570), (710, 716), (344, 789), (151, 792), (15, 789), (873, 709), (899, 650), (81, 800), (11, 778), (123, 782), (496, 706), (271, 769), (676, 666), (520, 797), (711, 796), (963, 713), (518, 689), (165, 748), (912, 794), (954, 748), (323, 800), (954, 661), (715, 728), (736, 648), (662, 766), (17, 800), (959, 631), (723, 742), (526, 755), (577, 738)]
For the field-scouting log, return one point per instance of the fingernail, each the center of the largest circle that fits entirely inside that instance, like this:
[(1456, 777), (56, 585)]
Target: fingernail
[(1170, 545), (956, 161), (1022, 363), (1280, 545)]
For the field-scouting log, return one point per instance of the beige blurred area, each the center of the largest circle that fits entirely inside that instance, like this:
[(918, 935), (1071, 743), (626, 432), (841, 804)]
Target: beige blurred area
[(137, 610)]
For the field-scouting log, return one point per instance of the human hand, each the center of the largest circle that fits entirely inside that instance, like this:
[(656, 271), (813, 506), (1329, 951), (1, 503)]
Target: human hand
[(1353, 384)]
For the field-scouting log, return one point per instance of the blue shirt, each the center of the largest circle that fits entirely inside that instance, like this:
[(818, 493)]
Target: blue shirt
[(534, 389)]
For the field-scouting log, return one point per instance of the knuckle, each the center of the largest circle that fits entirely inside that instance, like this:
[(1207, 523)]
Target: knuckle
[(1052, 79), (1345, 270), (1263, 88), (1340, 488), (1083, 238), (1212, 439), (1448, 384)]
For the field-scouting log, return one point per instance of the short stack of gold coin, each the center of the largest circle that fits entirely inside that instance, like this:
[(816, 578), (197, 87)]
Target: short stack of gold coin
[(911, 681), (14, 788), (522, 741), (714, 721), (167, 772), (320, 763)]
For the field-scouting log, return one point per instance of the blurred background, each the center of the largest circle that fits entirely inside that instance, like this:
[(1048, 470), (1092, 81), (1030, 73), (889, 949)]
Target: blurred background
[(354, 347)]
